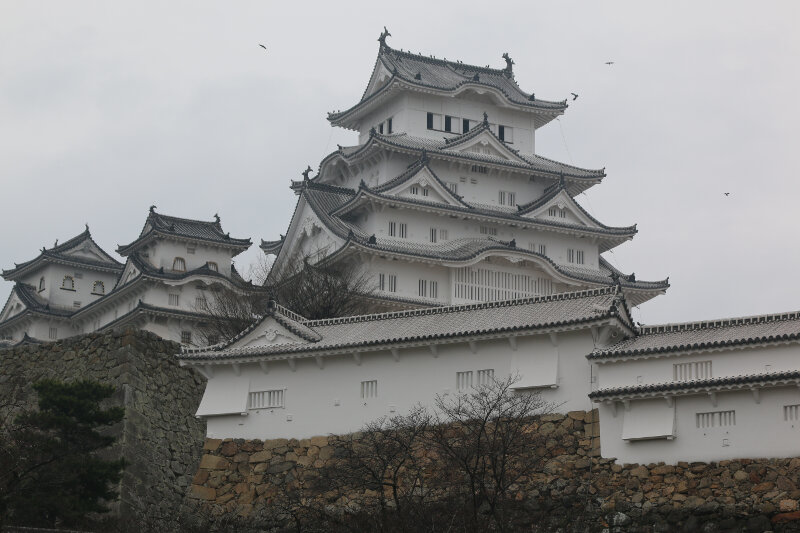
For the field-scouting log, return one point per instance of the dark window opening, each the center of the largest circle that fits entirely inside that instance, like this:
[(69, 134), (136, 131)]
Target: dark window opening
[(448, 123), (430, 121), (466, 125), (501, 132), (380, 127), (389, 125)]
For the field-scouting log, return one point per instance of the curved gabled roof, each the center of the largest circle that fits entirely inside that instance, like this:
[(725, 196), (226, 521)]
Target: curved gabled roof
[(429, 74), (59, 253), (577, 179), (183, 228), (28, 296)]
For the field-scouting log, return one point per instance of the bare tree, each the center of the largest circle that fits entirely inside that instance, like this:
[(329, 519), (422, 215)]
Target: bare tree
[(486, 436)]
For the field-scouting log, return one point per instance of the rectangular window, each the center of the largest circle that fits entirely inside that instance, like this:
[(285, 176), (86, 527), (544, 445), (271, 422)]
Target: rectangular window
[(506, 134), (369, 389), (552, 211), (465, 125), (403, 233), (186, 337), (434, 234), (691, 371), (76, 304), (389, 125), (434, 289), (479, 169), (485, 377), (430, 121), (486, 230), (266, 399), (579, 257), (414, 189), (380, 128), (464, 380), (442, 234), (173, 299), (53, 333), (448, 123), (392, 229), (453, 187), (423, 287), (392, 283), (190, 250), (507, 198), (381, 282), (716, 419), (200, 302), (434, 121), (791, 413), (543, 249), (501, 133), (424, 191), (571, 255)]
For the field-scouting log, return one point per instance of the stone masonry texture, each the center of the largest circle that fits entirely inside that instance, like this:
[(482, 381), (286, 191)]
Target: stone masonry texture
[(159, 437), (576, 490)]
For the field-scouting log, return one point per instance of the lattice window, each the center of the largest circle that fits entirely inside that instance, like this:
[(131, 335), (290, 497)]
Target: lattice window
[(200, 303), (507, 198), (484, 285), (186, 337), (463, 380), (68, 283), (392, 283), (488, 230), (479, 169), (791, 413), (485, 377), (691, 371), (174, 299), (53, 333), (369, 389), (387, 282), (179, 264), (266, 399), (716, 419), (552, 211)]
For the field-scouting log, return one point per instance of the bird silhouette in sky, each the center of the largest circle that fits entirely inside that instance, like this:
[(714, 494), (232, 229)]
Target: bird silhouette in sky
[(574, 96), (262, 46), (609, 63), (727, 194)]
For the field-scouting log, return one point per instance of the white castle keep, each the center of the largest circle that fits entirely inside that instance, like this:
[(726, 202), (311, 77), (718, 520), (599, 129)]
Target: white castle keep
[(487, 267)]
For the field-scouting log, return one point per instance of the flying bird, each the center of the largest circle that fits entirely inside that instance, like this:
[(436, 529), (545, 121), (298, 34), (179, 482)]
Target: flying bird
[(609, 62), (262, 46), (574, 96), (727, 194)]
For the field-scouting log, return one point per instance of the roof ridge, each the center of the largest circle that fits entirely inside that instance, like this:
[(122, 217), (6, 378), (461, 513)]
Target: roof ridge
[(463, 307), (715, 323), (445, 62)]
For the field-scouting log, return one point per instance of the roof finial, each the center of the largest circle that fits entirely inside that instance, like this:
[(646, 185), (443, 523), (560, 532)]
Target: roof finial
[(216, 217), (532, 97), (306, 172), (152, 209), (476, 77), (384, 35), (87, 225), (423, 158), (372, 131), (372, 239), (485, 118), (509, 70), (55, 243), (561, 179)]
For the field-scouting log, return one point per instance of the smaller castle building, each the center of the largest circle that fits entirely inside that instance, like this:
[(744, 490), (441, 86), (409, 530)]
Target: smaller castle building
[(168, 277)]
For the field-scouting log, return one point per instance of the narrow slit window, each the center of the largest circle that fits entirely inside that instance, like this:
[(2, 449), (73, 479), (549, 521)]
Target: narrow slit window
[(430, 121), (434, 234), (53, 333), (403, 233), (369, 389), (381, 282), (715, 419), (464, 380), (41, 284), (392, 283), (174, 299), (791, 413), (389, 125), (465, 125)]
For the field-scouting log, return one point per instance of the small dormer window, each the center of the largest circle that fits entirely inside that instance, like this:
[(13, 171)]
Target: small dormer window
[(68, 284), (552, 211), (213, 266), (41, 284), (179, 264), (98, 288)]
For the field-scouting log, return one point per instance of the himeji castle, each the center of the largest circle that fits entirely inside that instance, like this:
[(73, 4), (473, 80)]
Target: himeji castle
[(169, 273), (445, 201), (496, 270)]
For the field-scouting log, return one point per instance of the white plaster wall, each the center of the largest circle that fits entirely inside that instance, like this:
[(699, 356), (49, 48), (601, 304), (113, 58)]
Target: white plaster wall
[(723, 363), (58, 297), (162, 254), (760, 430), (327, 400)]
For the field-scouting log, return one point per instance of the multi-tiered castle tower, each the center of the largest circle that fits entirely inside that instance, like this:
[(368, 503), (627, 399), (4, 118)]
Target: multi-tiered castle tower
[(445, 201)]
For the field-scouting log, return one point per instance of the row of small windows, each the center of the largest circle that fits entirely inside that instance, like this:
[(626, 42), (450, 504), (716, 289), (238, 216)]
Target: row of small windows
[(507, 198), (451, 124), (179, 265), (537, 247), (68, 284), (554, 211), (276, 398), (385, 126), (721, 419), (417, 190), (575, 256), (428, 288)]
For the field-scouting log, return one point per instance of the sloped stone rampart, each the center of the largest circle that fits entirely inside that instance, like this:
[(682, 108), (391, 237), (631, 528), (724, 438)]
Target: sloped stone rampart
[(159, 437), (575, 486)]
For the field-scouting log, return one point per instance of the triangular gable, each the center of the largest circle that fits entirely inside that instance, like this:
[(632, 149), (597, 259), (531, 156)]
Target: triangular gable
[(424, 186), (271, 331), (380, 76), (485, 143), (88, 250), (565, 210), (129, 273), (14, 306)]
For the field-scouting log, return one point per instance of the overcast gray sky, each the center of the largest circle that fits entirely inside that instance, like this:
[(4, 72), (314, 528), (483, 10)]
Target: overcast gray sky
[(109, 107)]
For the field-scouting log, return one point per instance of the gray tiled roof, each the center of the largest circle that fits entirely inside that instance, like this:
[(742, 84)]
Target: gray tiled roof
[(791, 377), (440, 148), (692, 336), (33, 304), (440, 323), (186, 228), (429, 73), (57, 253)]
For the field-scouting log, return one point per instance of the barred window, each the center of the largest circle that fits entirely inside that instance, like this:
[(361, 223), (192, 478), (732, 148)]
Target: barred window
[(369, 389), (179, 264), (691, 371), (485, 377), (716, 419), (98, 288), (186, 337), (463, 380), (53, 333), (266, 399), (68, 283), (174, 299), (791, 413), (213, 266)]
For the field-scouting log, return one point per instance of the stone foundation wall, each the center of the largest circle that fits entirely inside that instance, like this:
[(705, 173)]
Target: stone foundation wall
[(575, 486), (159, 436)]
